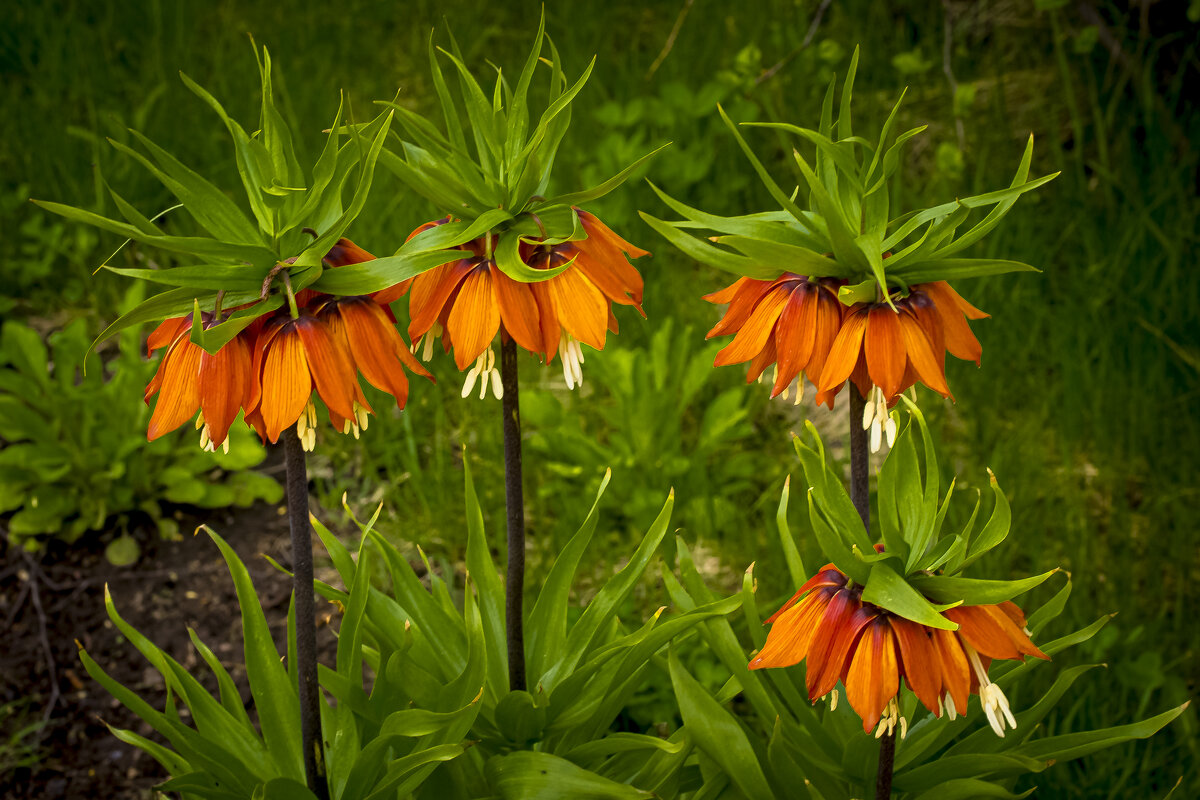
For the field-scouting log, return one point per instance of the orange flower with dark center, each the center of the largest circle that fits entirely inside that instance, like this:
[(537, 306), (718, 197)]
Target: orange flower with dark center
[(467, 302), (292, 357), (790, 322), (884, 351), (188, 379), (869, 650)]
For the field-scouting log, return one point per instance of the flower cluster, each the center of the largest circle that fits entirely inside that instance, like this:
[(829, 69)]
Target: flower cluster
[(869, 649), (269, 370), (466, 302), (882, 347)]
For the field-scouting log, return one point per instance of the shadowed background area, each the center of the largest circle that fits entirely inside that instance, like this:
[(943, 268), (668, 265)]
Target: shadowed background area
[(1083, 407)]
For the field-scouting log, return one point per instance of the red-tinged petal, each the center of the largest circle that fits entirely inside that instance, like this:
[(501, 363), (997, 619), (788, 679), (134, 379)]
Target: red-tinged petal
[(581, 309), (794, 333), (286, 382), (982, 631), (832, 640), (1014, 613), (331, 366), (873, 678), (166, 332), (919, 662), (753, 336), (224, 386), (826, 326), (373, 343), (920, 355), (955, 671), (845, 351), (346, 252), (548, 318), (518, 311), (391, 294), (475, 317), (828, 575), (827, 397), (791, 633), (613, 327), (259, 343), (430, 291), (884, 346), (179, 394), (741, 306)]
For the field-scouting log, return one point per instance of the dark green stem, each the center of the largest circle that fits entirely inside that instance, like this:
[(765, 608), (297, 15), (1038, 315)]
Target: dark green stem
[(860, 493), (515, 502), (306, 620)]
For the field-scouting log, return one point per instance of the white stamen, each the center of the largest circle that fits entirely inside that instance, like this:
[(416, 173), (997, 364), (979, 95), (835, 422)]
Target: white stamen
[(890, 719), (306, 427), (572, 357), (991, 697), (833, 700), (484, 370), (799, 389), (877, 420)]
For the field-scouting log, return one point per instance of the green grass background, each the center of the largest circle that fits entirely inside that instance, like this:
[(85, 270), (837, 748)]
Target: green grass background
[(1084, 407)]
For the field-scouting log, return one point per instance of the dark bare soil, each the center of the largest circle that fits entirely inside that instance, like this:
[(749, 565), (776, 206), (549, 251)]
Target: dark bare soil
[(47, 605)]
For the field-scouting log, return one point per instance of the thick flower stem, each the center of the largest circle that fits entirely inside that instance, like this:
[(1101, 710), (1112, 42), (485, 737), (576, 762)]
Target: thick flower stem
[(860, 494), (306, 621), (515, 503)]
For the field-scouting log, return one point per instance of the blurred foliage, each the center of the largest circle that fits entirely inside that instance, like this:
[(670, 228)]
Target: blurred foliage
[(1084, 401), (75, 455)]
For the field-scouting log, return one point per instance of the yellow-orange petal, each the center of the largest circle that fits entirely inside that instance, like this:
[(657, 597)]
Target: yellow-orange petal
[(884, 346), (373, 343), (580, 307), (959, 339), (753, 336), (828, 575), (286, 382), (791, 632), (741, 306), (179, 391), (826, 325), (597, 230), (475, 317), (166, 333), (726, 295), (794, 333), (873, 678), (430, 291)]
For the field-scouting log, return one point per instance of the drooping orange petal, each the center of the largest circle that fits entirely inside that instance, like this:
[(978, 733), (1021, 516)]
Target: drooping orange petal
[(580, 306), (331, 366), (873, 678), (828, 575), (982, 631), (826, 326), (548, 319), (741, 306), (373, 343), (475, 317), (920, 355), (597, 230), (844, 352), (224, 386), (832, 640), (791, 632), (726, 295), (286, 383), (761, 361), (919, 662), (605, 278), (971, 311), (165, 333), (884, 346), (518, 311), (955, 671), (179, 394), (1013, 631), (794, 333), (430, 291), (960, 341), (758, 327)]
